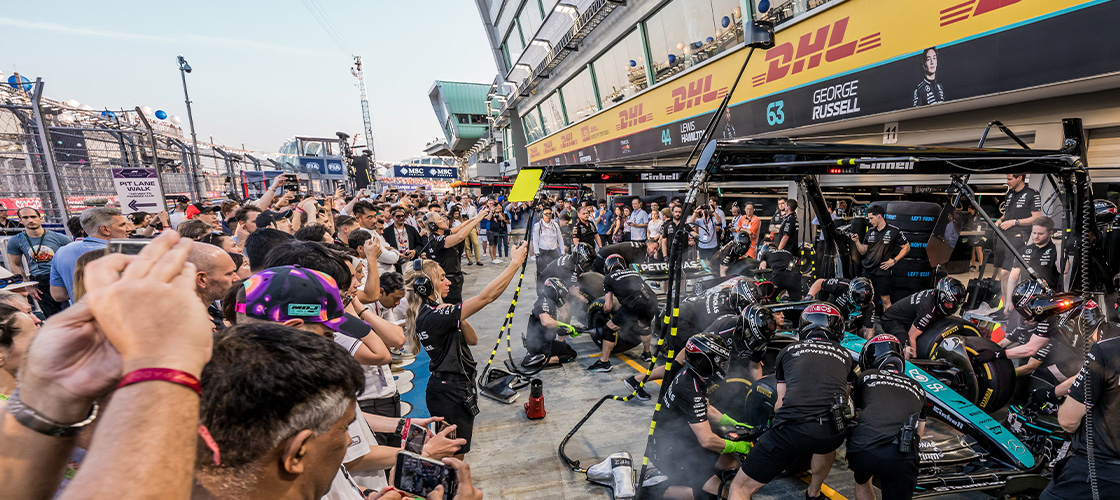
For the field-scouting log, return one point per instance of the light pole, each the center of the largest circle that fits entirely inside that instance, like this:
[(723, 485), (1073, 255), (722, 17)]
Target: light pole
[(185, 68)]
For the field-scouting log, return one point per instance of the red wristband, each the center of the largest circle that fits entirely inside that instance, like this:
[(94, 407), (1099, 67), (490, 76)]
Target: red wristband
[(164, 374)]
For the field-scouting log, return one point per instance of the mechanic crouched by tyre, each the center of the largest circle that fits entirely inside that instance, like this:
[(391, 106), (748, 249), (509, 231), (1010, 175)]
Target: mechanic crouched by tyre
[(684, 446), (633, 305), (541, 343), (785, 276), (855, 299), (909, 318), (1096, 388), (811, 407), (891, 411)]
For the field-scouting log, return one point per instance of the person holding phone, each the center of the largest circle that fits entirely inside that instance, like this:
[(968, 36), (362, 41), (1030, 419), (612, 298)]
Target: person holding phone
[(443, 332)]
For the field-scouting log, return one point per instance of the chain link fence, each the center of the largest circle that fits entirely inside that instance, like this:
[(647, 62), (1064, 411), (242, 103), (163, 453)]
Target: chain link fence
[(59, 159)]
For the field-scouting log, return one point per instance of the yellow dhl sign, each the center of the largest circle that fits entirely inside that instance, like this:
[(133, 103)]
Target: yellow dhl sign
[(850, 36)]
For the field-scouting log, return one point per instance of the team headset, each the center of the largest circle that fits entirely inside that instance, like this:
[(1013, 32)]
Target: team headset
[(422, 284)]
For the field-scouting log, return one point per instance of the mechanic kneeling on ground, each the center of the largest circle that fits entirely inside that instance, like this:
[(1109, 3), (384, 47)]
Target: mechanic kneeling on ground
[(785, 276), (1034, 332), (891, 412), (691, 464), (854, 299), (633, 252), (909, 318), (540, 339), (813, 382), (1096, 388), (878, 243), (633, 304)]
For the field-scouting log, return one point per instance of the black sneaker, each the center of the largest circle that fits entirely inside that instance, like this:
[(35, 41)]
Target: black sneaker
[(647, 356), (600, 366), (479, 263), (653, 477), (640, 393)]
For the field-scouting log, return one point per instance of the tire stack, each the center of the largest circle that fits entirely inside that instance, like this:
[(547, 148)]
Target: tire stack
[(916, 220)]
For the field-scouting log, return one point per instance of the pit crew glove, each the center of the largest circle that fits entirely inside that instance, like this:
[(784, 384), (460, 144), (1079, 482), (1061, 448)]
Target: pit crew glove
[(568, 329)]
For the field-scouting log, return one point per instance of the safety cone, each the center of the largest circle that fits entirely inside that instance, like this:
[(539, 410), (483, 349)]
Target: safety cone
[(534, 409)]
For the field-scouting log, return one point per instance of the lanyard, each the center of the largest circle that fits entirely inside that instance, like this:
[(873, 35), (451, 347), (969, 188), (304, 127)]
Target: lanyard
[(35, 250)]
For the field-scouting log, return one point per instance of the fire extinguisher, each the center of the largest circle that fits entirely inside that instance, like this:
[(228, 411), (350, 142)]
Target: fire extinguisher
[(534, 409)]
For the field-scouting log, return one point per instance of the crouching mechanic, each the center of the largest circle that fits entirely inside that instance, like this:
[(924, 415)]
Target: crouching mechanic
[(633, 252), (690, 463), (813, 378), (732, 252), (909, 318), (785, 276), (854, 298), (633, 305), (891, 419), (1034, 332), (540, 339)]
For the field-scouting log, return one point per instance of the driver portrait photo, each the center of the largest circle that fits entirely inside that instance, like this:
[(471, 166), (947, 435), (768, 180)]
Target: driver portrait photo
[(929, 90)]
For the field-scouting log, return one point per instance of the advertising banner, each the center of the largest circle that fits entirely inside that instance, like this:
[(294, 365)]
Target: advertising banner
[(138, 190), (327, 168), (859, 58), (426, 171)]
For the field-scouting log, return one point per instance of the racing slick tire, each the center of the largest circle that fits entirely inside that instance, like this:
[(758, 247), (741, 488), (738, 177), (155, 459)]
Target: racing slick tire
[(597, 317)]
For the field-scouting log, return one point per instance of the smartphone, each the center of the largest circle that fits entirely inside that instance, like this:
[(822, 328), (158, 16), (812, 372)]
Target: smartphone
[(291, 182), (419, 476), (128, 246), (440, 425), (414, 440)]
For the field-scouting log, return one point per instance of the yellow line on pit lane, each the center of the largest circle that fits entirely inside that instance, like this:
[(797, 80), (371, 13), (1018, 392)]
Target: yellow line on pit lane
[(626, 359), (825, 490)]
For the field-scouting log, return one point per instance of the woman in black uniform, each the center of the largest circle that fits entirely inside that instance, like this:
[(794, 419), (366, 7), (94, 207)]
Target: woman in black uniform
[(444, 333)]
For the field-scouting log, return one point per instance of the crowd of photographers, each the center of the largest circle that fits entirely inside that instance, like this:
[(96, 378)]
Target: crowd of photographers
[(270, 328)]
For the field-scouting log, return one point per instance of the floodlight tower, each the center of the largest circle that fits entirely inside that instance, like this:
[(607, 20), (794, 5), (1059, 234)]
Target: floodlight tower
[(356, 70)]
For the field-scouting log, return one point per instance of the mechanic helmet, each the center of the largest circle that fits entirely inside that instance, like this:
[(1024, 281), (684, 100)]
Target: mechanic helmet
[(742, 241), (763, 250), (614, 262), (1105, 211), (749, 290), (861, 292), (1025, 294), (705, 354), (882, 352), (821, 320), (583, 254), (950, 295), (759, 327), (554, 289), (731, 300), (1091, 317)]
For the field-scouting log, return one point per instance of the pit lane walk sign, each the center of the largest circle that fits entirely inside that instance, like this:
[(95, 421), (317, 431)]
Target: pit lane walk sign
[(138, 190)]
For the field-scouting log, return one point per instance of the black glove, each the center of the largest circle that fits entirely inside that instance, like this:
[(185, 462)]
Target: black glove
[(987, 355)]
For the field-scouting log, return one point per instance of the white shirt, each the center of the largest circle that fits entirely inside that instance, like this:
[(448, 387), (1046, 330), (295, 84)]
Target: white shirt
[(175, 219), (638, 216), (547, 236), (361, 438), (386, 262)]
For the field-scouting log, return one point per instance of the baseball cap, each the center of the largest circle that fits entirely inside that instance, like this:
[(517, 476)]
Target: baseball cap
[(182, 199), (205, 208), (266, 218), (9, 281), (294, 292)]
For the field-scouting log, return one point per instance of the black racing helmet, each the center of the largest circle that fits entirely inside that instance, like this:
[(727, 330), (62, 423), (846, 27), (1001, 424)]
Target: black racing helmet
[(763, 250), (748, 289), (731, 301), (584, 256), (554, 289), (821, 321), (759, 327), (950, 295), (882, 352), (1091, 318), (861, 292), (1024, 294), (742, 241), (614, 262), (705, 354)]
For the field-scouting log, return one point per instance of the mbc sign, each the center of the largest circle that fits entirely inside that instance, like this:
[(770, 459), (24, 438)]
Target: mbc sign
[(425, 172)]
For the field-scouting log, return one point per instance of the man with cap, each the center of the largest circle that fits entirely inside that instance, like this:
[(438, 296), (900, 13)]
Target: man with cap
[(178, 212), (276, 220), (309, 300), (206, 213), (37, 246)]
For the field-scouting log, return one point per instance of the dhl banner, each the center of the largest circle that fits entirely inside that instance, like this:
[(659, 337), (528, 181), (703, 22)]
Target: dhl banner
[(859, 58)]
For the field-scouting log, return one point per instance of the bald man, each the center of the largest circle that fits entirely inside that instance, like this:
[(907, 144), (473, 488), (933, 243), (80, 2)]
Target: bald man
[(215, 275)]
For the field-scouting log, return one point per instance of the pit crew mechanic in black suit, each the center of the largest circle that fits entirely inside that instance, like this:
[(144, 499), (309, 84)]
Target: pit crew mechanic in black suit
[(878, 244), (785, 276), (813, 383), (732, 251), (545, 325), (690, 462), (633, 252), (633, 305), (1041, 254), (909, 318), (891, 419), (1022, 207), (854, 299), (1098, 378)]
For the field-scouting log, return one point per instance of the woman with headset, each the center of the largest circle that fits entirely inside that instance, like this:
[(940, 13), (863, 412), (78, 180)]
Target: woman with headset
[(443, 331)]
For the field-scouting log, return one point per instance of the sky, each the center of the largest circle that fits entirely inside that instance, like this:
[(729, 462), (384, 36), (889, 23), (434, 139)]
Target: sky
[(263, 70)]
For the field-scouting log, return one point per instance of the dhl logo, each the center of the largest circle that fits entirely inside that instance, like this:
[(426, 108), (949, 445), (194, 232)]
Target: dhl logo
[(632, 117), (826, 43), (568, 140), (972, 8), (693, 94)]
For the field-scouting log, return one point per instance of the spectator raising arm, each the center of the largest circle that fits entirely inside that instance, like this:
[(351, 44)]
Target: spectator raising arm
[(458, 237)]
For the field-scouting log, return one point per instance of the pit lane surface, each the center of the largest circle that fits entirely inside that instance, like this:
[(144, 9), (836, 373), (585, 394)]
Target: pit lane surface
[(515, 458)]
